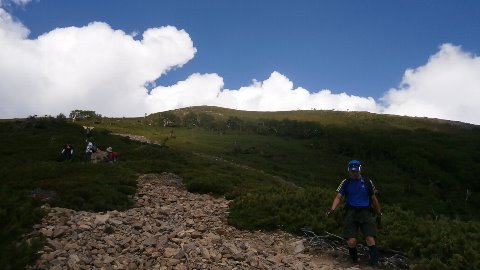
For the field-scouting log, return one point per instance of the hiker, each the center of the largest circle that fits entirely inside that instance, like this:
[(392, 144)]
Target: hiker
[(89, 151), (67, 152), (112, 156), (361, 201), (88, 131)]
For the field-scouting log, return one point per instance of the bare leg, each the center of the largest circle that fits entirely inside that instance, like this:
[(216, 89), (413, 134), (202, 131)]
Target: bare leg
[(352, 249)]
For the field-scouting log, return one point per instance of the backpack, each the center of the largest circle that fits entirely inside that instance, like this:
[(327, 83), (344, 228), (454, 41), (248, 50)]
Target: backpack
[(94, 148), (368, 186)]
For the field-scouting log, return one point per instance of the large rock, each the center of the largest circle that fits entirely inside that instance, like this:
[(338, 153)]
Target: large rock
[(205, 253), (73, 260), (150, 241), (101, 219), (170, 252), (59, 231), (161, 241), (297, 246), (54, 244)]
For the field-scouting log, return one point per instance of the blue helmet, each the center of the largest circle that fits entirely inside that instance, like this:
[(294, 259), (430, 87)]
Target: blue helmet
[(354, 166)]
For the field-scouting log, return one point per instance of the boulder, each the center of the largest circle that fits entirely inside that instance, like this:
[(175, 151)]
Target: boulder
[(59, 231), (150, 241), (101, 219), (170, 252), (297, 246)]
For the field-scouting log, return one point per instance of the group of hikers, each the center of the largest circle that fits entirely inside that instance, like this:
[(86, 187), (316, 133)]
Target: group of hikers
[(109, 155), (67, 153)]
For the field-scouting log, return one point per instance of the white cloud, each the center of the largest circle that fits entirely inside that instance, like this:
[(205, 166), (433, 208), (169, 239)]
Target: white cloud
[(278, 93), (97, 67), (21, 2), (88, 67), (196, 90), (11, 28), (447, 87), (274, 94), (17, 2)]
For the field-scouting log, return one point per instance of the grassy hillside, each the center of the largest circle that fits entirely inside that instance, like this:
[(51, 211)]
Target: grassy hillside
[(28, 162), (281, 169), (422, 164)]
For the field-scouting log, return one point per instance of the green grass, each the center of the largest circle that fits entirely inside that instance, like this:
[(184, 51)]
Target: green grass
[(280, 173), (428, 168)]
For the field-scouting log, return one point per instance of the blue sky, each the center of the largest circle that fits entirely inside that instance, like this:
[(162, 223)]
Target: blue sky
[(416, 58), (362, 47)]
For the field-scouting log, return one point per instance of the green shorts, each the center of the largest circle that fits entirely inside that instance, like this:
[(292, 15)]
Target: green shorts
[(359, 219)]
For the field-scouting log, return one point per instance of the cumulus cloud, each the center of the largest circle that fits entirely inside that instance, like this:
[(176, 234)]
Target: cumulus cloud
[(273, 94), (84, 67), (10, 28), (97, 67), (17, 2), (447, 87)]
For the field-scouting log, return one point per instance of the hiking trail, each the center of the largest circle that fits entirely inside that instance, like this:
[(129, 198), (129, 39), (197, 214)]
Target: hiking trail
[(143, 139), (167, 228)]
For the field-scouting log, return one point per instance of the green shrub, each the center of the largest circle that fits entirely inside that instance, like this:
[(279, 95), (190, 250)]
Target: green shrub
[(214, 184), (449, 243)]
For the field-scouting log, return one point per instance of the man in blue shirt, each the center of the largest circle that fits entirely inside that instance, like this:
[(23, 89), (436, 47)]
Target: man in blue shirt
[(361, 199)]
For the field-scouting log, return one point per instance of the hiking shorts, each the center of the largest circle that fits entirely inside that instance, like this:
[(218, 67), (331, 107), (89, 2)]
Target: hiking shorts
[(356, 219)]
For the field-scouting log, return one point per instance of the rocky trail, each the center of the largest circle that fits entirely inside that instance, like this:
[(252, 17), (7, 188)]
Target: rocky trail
[(168, 228)]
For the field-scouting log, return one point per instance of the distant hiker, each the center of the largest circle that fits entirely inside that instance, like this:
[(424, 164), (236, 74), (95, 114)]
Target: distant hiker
[(88, 131), (361, 201), (112, 156), (67, 152), (89, 151)]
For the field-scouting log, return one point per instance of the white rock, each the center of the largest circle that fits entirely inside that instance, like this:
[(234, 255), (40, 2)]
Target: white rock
[(101, 219)]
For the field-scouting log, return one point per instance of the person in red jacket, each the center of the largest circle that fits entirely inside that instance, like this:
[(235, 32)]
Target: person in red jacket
[(112, 156)]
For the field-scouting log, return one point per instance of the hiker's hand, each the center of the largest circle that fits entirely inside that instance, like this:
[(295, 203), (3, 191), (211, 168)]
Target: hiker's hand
[(329, 212), (378, 219)]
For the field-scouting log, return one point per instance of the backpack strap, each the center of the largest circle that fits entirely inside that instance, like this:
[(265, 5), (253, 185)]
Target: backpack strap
[(371, 191), (368, 184), (343, 184), (347, 183)]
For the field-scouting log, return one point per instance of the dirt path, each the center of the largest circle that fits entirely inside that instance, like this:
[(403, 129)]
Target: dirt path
[(168, 228), (143, 139), (245, 167)]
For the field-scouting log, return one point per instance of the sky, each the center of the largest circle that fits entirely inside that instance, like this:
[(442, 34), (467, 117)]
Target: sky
[(127, 58)]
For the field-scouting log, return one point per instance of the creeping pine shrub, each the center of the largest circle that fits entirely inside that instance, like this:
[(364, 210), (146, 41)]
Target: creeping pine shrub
[(440, 244), (449, 242), (17, 214), (209, 184), (288, 209)]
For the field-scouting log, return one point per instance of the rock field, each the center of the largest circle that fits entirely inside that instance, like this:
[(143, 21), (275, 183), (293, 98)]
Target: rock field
[(168, 228)]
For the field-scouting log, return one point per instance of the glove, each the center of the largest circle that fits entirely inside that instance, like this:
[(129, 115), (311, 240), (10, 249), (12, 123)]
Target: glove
[(378, 219), (329, 212)]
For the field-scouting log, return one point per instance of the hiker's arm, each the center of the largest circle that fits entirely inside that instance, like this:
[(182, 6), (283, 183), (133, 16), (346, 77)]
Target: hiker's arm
[(376, 204), (336, 201)]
